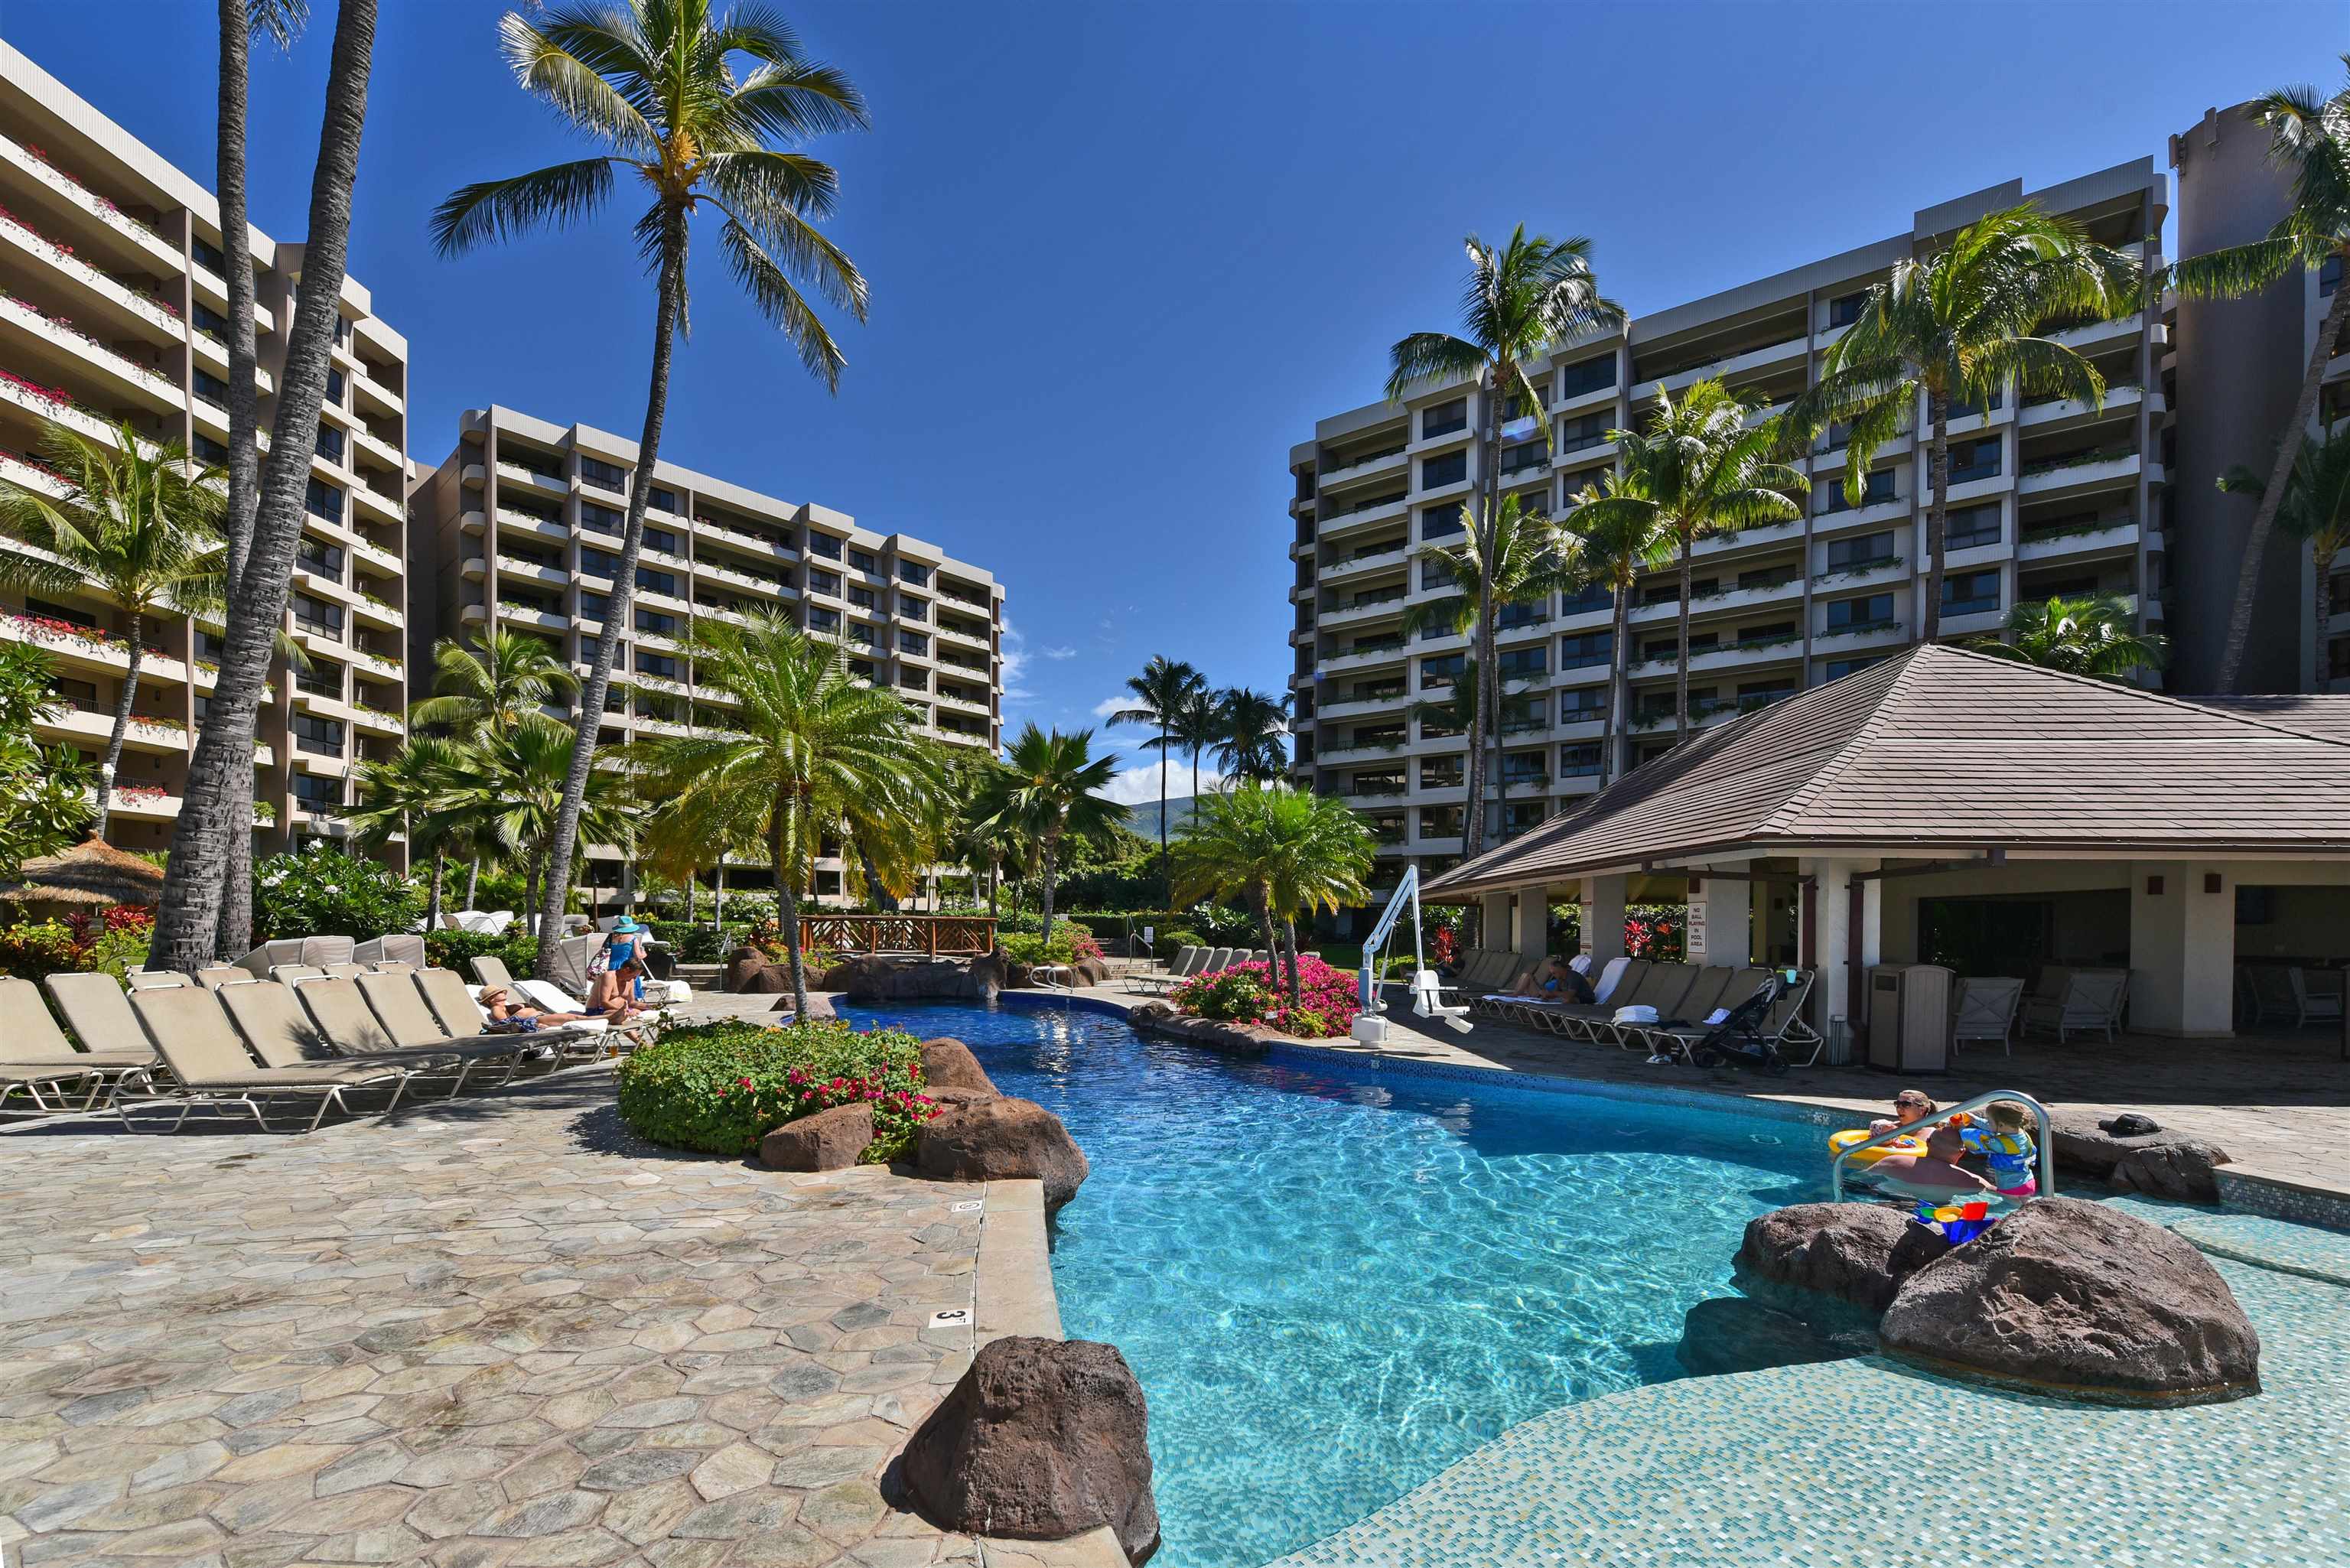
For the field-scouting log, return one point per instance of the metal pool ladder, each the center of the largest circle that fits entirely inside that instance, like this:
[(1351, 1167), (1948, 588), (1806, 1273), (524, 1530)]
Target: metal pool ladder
[(2039, 1113)]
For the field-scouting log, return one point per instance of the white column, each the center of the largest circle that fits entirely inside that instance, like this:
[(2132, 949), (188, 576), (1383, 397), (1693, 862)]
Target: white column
[(1602, 919), (1837, 956), (1721, 918), (2182, 949), (1494, 929)]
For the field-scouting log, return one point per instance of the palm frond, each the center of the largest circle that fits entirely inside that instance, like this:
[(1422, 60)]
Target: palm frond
[(771, 289), (499, 210)]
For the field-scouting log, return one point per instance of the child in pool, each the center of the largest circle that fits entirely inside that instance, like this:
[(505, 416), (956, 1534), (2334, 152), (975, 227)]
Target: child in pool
[(2007, 1146)]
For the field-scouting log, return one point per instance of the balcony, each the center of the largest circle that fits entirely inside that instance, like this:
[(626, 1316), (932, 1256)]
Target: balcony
[(2074, 472), (1351, 466), (78, 647), (1377, 606), (1369, 657), (1337, 523), (532, 481), (153, 249), (1769, 355), (2061, 413), (95, 726), (1857, 635), (2074, 540), (1876, 571), (1366, 562)]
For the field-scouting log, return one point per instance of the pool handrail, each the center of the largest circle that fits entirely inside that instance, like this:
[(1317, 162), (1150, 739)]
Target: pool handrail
[(2040, 1113)]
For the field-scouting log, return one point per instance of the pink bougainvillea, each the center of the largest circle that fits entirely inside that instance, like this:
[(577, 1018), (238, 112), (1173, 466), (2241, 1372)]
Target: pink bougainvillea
[(1254, 993)]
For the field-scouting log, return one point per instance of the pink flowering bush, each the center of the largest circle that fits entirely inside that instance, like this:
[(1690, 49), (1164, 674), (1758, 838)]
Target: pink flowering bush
[(1253, 993), (721, 1087)]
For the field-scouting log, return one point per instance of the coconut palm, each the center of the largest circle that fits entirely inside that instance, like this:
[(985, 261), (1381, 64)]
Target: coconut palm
[(2310, 137), (1959, 326), (216, 810), (410, 792), (1198, 724), (1616, 533), (1704, 469), (1322, 860), (2094, 636), (656, 82), (2315, 507), (1532, 293), (1249, 729), (1225, 853), (508, 680), (1161, 692), (813, 756), (138, 521), (1275, 851), (1050, 791), (241, 21), (516, 801)]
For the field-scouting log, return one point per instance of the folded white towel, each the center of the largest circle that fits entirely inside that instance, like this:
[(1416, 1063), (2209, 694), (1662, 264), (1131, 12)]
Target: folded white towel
[(1635, 1014)]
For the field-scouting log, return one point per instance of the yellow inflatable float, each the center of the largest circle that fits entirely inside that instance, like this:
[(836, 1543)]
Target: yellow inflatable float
[(1839, 1142)]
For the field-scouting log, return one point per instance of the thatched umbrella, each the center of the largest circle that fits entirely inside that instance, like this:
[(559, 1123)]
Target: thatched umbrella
[(93, 874)]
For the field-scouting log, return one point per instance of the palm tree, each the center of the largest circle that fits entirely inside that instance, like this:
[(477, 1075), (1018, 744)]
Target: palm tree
[(1322, 858), (2310, 136), (1703, 470), (2092, 637), (655, 82), (1520, 300), (1617, 535), (216, 811), (144, 525), (1050, 791), (1225, 853), (2315, 507), (1198, 724), (1249, 729), (1530, 561), (1277, 851), (410, 792), (508, 680), (241, 21), (1959, 326), (815, 754), (1164, 689)]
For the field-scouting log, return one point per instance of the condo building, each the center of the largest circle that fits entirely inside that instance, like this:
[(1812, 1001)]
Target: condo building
[(522, 524), (111, 311), (2047, 496)]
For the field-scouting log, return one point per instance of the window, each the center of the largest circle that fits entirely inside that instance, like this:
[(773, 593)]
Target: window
[(317, 615), (913, 610), (1443, 419), (324, 502), (1514, 616), (329, 443), (595, 607), (1524, 768), (1854, 614), (664, 541), (1580, 435), (1845, 308), (1578, 761), (823, 619), (1441, 672), (862, 598), (1439, 822), (318, 794), (1449, 469), (602, 519), (1582, 652), (1586, 376), (657, 623), (1522, 663), (1442, 522), (212, 388), (603, 475), (599, 563), (824, 544), (82, 694), (1433, 575), (860, 561), (210, 450), (913, 642), (1861, 550), (1838, 668), (1878, 488), (1582, 704), (1525, 454), (318, 556), (652, 582), (323, 679), (210, 255), (319, 737), (1970, 525), (913, 572), (1440, 772), (2329, 275), (335, 384), (660, 664), (1971, 593), (1974, 460), (823, 582), (1592, 597), (664, 499)]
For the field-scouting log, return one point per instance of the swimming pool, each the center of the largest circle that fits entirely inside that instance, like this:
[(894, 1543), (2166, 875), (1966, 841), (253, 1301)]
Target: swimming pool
[(1334, 1280)]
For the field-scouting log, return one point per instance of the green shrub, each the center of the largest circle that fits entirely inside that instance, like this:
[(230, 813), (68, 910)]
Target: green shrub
[(1177, 940), (1069, 944), (323, 892), (720, 1087), (1229, 995), (38, 947), (452, 950)]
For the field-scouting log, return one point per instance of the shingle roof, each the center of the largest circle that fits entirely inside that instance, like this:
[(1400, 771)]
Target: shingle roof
[(1943, 751), (2326, 715)]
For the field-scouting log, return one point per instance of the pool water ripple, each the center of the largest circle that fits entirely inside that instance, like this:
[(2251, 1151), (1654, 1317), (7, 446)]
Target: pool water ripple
[(1332, 1284)]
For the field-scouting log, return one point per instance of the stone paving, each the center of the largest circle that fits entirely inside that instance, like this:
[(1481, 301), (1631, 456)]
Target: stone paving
[(494, 1331)]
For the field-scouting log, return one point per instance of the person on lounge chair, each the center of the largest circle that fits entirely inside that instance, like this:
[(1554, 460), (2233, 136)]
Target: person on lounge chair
[(1552, 981), (504, 1006)]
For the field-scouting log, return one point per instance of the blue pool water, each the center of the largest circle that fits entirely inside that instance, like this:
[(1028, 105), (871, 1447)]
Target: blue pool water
[(1334, 1282)]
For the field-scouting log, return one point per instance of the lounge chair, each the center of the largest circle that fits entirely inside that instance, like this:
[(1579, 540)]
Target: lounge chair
[(97, 1010), (155, 978), (2085, 1005), (295, 973), (190, 1027), (1611, 975), (412, 1023), (213, 976), (1782, 1026), (35, 1054), (452, 1002), (400, 949), (1718, 988), (488, 971), (1181, 968), (345, 970), (1568, 1018), (1984, 1010), (284, 1033), (1664, 989)]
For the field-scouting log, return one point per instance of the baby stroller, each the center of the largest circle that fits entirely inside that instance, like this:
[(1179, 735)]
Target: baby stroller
[(1740, 1037)]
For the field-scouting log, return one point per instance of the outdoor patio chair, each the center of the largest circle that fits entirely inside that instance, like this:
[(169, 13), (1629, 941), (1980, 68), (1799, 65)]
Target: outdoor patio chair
[(1611, 975), (452, 1002), (390, 947), (155, 978), (391, 966), (401, 1009), (2313, 1004), (1667, 987), (211, 977), (1984, 1010), (1566, 1018), (322, 951), (2084, 1007), (96, 1008), (1218, 960), (283, 1032), (1782, 1026), (1179, 967), (345, 1016), (201, 1047), (488, 971), (345, 970), (35, 1054), (295, 973), (1714, 987)]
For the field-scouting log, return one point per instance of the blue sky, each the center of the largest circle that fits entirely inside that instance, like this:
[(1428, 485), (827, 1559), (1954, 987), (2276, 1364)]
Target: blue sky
[(1123, 257)]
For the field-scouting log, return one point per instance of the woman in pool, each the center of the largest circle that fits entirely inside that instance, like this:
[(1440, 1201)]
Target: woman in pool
[(1909, 1107)]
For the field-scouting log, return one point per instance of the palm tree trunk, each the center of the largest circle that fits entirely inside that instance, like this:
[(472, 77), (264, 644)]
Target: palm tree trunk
[(788, 899), (2256, 540), (718, 898), (624, 589), (1296, 987), (1165, 876), (1619, 693), (474, 882), (693, 887), (188, 917), (1680, 677), (106, 774), (1938, 469), (235, 933), (530, 901), (433, 908), (1272, 942), (2322, 671), (995, 884), (1051, 869), (1488, 530)]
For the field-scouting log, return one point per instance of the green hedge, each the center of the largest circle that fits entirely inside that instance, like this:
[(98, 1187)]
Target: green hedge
[(720, 1087), (452, 949)]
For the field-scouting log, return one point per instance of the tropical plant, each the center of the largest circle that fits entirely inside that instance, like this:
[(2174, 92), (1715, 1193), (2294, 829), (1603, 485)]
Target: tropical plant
[(816, 757), (656, 82), (216, 811), (42, 808), (1322, 860), (138, 520), (1250, 727), (1520, 300), (1959, 326), (1161, 692), (1049, 791), (1198, 724), (1702, 470), (507, 679), (326, 892), (2093, 636), (1277, 852), (2309, 135), (720, 1087), (412, 793), (2315, 507), (1225, 852), (508, 790), (1618, 533)]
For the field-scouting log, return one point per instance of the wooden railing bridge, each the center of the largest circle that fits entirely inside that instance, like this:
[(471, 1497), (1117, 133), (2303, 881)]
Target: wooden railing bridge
[(932, 936)]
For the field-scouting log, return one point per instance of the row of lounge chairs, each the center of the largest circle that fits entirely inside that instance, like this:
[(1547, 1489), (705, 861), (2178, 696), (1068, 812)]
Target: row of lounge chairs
[(1191, 963), (1685, 997), (217, 1041)]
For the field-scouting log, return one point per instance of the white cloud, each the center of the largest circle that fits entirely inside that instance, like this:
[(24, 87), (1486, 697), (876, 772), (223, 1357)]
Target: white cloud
[(1015, 665), (1138, 786), (1060, 653), (1110, 704)]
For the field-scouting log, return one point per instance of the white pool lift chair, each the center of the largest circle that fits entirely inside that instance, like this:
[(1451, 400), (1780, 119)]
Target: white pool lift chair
[(1426, 990)]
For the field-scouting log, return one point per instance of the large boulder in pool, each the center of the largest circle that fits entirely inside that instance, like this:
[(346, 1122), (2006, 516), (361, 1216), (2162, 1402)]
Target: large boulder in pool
[(2077, 1299), (1043, 1440), (1806, 1259), (2154, 1161), (908, 980), (1002, 1139), (948, 1063), (1732, 1334)]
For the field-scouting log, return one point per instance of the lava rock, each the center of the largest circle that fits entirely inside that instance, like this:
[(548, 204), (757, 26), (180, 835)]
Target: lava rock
[(749, 972), (1856, 1253), (906, 980), (1002, 1139), (954, 1096), (2130, 1124), (2076, 1299), (1732, 1333), (2165, 1164), (1042, 1440), (948, 1063), (828, 1141), (1151, 1013)]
